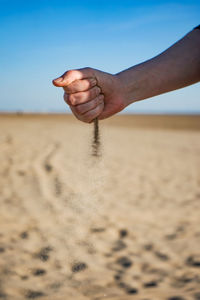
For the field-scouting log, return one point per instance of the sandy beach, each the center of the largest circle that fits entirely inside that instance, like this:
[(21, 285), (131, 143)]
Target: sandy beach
[(122, 226)]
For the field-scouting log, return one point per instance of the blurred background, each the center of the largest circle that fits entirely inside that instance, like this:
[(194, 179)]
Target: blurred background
[(41, 39), (121, 226)]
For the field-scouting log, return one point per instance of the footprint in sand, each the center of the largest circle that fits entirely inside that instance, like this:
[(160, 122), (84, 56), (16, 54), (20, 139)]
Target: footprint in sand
[(57, 186)]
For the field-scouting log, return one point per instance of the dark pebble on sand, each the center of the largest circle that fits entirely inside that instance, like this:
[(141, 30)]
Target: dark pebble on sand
[(197, 296), (124, 261), (117, 277), (123, 233), (24, 277), (193, 261), (108, 254), (97, 230), (121, 284), (150, 284), (148, 247), (24, 235), (21, 173), (48, 167), (34, 294), (55, 285), (43, 254), (39, 272), (118, 246), (2, 249), (130, 290), (162, 256), (171, 236), (184, 279), (80, 266)]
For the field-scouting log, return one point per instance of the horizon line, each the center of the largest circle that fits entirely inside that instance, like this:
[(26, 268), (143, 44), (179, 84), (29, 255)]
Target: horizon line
[(20, 112)]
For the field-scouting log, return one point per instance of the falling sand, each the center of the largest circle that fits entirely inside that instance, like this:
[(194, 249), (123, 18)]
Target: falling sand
[(96, 139)]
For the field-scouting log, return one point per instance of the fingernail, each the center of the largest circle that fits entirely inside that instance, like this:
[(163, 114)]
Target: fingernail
[(60, 79)]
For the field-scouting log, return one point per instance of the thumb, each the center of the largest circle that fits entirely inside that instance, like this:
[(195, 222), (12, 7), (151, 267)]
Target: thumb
[(72, 75)]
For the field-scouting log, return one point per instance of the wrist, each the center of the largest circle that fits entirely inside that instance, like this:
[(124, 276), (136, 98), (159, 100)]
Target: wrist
[(140, 81), (129, 86)]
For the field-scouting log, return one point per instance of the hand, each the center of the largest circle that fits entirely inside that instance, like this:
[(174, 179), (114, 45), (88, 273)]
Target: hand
[(92, 93)]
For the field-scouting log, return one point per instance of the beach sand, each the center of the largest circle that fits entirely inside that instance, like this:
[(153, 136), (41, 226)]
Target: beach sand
[(119, 227)]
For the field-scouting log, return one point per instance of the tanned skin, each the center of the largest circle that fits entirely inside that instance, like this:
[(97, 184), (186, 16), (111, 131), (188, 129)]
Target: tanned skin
[(91, 93)]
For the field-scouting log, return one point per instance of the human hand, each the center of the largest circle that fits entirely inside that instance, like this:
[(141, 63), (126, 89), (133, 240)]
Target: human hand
[(91, 93)]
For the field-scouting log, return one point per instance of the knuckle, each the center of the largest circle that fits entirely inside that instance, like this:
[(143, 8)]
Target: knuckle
[(75, 114), (78, 109), (66, 98), (69, 72), (85, 119), (84, 85), (99, 107), (87, 69), (88, 116), (96, 91), (78, 117), (92, 82), (72, 99), (68, 89), (76, 86), (102, 106), (101, 97)]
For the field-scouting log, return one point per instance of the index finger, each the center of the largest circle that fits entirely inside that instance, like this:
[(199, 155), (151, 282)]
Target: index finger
[(80, 85)]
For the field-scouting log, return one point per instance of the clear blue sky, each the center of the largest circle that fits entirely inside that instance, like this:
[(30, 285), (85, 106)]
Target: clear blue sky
[(39, 40)]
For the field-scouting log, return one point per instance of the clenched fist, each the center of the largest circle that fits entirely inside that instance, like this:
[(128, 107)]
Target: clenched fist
[(92, 93)]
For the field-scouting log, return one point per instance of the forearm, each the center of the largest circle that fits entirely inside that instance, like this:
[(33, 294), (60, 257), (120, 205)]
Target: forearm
[(175, 68)]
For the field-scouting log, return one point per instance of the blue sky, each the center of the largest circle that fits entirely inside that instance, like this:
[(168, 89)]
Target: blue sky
[(42, 39)]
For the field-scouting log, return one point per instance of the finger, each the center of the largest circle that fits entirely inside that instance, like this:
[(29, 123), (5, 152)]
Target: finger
[(72, 75), (105, 114), (89, 116), (80, 85), (85, 107), (82, 97)]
